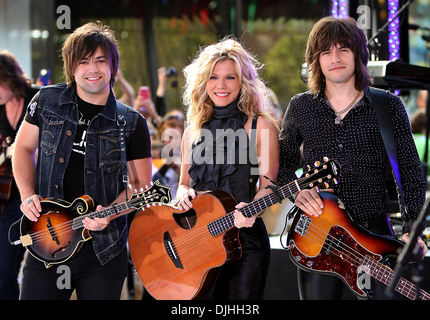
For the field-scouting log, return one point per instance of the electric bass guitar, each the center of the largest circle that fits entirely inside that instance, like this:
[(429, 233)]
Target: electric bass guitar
[(333, 244), (59, 231), (177, 253)]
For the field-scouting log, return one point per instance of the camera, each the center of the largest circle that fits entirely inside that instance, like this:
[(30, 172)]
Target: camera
[(171, 72)]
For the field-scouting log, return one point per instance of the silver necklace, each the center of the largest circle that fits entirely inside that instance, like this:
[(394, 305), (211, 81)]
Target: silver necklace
[(339, 113)]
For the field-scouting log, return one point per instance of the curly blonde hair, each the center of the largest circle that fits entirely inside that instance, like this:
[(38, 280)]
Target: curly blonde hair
[(253, 98)]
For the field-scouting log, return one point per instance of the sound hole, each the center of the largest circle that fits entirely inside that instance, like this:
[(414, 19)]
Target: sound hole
[(186, 220)]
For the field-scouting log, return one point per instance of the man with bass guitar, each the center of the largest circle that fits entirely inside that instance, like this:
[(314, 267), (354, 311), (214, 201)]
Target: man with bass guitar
[(336, 118)]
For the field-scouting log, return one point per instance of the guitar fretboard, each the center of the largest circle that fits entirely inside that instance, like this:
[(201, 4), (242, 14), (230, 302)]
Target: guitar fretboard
[(227, 222), (156, 194), (104, 213), (384, 274)]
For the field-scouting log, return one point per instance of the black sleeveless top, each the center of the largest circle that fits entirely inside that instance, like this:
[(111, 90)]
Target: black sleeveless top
[(224, 158)]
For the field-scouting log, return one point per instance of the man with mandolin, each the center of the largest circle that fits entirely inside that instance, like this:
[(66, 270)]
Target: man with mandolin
[(16, 91), (337, 119), (88, 144)]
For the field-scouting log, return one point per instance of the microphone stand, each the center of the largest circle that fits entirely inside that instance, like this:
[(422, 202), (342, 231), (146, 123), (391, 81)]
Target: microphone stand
[(411, 251), (407, 4)]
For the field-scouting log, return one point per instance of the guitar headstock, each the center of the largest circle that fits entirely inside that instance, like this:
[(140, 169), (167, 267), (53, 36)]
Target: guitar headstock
[(156, 194), (322, 173)]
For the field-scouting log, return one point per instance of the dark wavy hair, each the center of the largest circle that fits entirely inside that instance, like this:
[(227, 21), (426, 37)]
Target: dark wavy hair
[(84, 41), (11, 74), (331, 31)]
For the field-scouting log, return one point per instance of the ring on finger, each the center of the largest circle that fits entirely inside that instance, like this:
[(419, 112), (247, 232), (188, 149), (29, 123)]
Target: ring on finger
[(98, 228), (29, 200)]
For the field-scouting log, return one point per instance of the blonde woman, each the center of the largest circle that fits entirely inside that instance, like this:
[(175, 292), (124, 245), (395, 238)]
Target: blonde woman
[(226, 147)]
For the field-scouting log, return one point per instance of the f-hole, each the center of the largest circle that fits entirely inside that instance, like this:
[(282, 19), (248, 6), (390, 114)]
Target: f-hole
[(186, 220)]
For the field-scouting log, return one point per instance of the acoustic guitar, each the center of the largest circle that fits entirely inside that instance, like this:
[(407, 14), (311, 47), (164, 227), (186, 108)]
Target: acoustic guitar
[(333, 244), (59, 231), (177, 254)]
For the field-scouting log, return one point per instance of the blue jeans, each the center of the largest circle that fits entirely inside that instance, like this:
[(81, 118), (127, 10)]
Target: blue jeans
[(10, 256)]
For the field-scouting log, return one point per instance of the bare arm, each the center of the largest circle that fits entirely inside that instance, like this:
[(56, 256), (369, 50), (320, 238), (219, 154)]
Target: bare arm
[(184, 190), (24, 168), (268, 165)]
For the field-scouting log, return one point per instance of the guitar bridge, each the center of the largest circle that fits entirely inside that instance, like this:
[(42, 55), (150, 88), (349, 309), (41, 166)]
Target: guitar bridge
[(171, 250), (303, 224)]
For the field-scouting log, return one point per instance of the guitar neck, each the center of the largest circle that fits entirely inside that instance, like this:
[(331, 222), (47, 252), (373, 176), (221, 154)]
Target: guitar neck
[(385, 275), (227, 222), (104, 213)]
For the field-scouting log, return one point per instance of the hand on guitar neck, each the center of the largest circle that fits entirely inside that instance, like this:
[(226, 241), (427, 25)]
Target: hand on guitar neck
[(186, 195), (32, 208)]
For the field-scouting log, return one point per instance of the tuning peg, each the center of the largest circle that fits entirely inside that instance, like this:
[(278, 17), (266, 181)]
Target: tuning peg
[(308, 168), (317, 163), (334, 180), (325, 159)]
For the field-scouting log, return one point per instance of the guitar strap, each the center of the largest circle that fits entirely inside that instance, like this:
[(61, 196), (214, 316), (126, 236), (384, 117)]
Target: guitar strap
[(121, 112), (253, 155), (382, 110)]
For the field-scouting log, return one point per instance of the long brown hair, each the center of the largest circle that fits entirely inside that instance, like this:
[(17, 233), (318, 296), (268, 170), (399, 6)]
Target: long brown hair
[(11, 73), (331, 31), (84, 41)]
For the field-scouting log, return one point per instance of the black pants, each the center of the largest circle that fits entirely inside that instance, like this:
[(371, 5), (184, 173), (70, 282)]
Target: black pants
[(10, 256), (83, 273), (245, 279)]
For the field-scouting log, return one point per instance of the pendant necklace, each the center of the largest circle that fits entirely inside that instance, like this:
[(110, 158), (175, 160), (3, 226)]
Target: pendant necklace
[(339, 113)]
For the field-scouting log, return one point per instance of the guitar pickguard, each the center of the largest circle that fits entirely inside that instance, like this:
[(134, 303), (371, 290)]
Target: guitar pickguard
[(340, 255)]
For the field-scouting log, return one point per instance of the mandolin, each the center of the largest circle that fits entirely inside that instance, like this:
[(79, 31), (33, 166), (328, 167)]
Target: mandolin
[(59, 231)]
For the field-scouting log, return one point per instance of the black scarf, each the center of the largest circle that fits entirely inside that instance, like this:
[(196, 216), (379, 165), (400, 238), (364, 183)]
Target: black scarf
[(214, 176)]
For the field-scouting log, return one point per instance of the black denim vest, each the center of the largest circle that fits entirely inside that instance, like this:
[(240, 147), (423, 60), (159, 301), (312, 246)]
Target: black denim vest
[(58, 120)]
